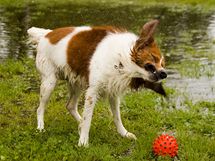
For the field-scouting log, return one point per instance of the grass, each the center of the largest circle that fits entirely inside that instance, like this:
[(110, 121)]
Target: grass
[(196, 69), (144, 113)]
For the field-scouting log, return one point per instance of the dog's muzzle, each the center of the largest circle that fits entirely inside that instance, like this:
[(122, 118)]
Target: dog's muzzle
[(161, 74), (158, 75)]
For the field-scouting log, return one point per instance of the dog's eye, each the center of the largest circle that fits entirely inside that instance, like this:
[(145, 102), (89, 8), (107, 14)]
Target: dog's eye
[(150, 67)]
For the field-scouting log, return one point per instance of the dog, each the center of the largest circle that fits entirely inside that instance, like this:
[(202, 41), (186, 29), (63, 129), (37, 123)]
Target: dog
[(98, 60)]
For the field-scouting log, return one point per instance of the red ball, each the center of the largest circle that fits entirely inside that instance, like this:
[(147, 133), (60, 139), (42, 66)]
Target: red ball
[(165, 145)]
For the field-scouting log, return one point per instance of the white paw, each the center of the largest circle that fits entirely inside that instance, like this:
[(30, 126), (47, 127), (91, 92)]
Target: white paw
[(130, 136), (40, 130), (40, 126), (83, 142)]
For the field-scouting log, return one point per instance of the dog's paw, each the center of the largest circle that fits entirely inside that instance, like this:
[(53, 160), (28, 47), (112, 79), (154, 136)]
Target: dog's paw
[(130, 136), (83, 143), (40, 126), (40, 129)]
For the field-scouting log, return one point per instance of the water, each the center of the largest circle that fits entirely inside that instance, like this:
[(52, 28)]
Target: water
[(185, 36)]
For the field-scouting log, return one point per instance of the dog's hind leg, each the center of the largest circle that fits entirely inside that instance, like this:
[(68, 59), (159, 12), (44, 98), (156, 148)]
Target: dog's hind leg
[(72, 105), (115, 108), (46, 88), (48, 82)]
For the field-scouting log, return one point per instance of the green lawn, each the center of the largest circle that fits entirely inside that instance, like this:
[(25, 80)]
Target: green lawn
[(144, 113), (201, 3)]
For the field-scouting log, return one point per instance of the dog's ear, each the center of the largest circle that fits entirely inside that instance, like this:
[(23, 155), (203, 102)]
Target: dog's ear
[(148, 29), (146, 34)]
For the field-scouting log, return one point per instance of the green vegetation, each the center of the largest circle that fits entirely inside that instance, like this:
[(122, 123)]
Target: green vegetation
[(144, 113), (196, 69), (200, 3)]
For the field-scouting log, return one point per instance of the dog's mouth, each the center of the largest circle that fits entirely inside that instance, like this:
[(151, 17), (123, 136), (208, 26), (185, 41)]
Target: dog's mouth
[(153, 78)]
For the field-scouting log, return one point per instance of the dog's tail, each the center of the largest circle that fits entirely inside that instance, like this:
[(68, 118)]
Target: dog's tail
[(35, 34)]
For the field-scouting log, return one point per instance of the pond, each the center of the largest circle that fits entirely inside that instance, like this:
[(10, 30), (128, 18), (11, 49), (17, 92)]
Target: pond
[(185, 36)]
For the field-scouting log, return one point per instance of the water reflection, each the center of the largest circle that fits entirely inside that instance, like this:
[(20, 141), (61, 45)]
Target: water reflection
[(13, 31), (211, 28), (176, 28), (3, 37), (194, 89)]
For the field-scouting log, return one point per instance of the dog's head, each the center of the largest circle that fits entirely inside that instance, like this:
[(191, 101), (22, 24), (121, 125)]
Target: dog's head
[(147, 55)]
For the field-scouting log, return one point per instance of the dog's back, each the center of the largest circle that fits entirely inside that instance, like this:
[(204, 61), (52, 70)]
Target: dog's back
[(86, 54)]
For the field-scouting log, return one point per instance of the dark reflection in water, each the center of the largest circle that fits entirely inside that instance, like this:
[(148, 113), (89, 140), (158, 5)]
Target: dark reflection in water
[(177, 27)]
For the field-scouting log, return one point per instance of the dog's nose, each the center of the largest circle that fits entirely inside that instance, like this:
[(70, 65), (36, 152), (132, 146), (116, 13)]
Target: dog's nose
[(162, 74)]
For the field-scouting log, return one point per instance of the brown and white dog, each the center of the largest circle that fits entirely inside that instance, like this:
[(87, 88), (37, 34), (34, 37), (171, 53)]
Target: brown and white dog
[(101, 60)]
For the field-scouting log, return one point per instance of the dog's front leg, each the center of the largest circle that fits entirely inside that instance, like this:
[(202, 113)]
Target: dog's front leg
[(84, 127), (115, 108)]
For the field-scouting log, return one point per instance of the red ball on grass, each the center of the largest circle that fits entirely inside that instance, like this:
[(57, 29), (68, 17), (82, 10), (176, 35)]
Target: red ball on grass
[(165, 145)]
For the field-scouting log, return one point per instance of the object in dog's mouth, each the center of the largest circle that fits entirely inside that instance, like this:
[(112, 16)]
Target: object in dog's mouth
[(138, 83), (88, 58)]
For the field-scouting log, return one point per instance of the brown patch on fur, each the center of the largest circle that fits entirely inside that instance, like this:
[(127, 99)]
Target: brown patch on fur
[(145, 49), (137, 83), (146, 34), (82, 46), (57, 34), (150, 54), (112, 29)]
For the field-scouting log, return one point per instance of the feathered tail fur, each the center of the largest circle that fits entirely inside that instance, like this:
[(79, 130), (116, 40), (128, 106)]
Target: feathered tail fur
[(35, 34)]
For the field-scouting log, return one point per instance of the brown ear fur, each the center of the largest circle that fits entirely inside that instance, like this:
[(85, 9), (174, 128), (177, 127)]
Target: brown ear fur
[(146, 35)]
